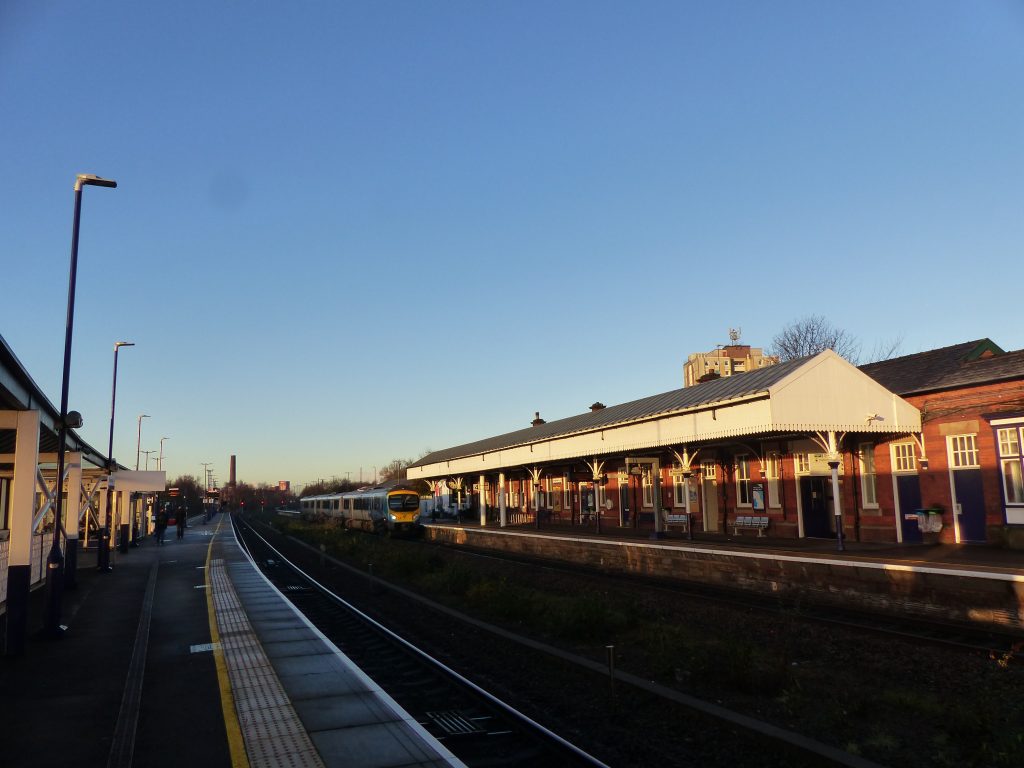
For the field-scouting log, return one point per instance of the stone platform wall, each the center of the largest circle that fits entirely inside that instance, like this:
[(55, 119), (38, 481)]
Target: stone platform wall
[(872, 585)]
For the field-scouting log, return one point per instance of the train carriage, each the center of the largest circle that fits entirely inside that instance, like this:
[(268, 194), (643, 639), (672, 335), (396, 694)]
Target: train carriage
[(391, 507)]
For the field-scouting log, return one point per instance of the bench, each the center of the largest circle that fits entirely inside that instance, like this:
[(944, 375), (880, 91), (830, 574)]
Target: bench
[(750, 523), (674, 520)]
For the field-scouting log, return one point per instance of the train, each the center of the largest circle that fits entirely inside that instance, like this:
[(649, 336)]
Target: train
[(392, 507)]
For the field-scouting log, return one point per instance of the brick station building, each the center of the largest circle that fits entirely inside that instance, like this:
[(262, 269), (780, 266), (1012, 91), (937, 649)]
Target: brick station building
[(801, 449), (971, 400)]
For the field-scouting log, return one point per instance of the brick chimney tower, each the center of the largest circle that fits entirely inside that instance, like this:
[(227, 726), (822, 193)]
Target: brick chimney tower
[(231, 472)]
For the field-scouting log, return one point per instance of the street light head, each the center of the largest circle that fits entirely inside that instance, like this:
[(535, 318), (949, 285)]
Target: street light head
[(118, 344), (88, 179)]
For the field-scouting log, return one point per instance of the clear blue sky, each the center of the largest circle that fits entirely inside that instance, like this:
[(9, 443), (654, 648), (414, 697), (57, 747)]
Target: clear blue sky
[(348, 232)]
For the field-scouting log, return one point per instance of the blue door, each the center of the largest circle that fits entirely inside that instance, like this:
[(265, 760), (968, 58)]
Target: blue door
[(814, 506), (908, 492), (971, 502)]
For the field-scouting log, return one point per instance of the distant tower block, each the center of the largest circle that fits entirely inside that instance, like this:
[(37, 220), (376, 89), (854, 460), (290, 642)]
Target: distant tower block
[(231, 473)]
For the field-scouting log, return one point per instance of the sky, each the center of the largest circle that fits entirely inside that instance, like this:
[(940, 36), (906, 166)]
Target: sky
[(350, 232)]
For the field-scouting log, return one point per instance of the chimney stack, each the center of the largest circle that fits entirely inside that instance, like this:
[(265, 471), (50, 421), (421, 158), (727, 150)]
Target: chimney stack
[(537, 420), (231, 473), (597, 406)]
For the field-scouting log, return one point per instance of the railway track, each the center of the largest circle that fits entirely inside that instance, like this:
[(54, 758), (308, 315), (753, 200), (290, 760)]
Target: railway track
[(749, 737), (477, 727)]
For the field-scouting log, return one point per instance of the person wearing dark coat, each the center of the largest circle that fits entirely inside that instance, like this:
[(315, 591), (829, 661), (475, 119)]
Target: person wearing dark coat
[(161, 525), (181, 523)]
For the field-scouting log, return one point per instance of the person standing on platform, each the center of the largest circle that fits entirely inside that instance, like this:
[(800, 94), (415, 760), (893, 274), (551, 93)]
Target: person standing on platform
[(182, 515), (161, 524)]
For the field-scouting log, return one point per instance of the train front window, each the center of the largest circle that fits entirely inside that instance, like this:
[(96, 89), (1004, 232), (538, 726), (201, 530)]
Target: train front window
[(403, 502)]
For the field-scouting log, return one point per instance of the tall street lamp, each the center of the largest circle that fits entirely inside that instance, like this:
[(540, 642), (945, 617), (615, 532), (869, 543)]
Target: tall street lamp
[(160, 460), (55, 560), (103, 554), (138, 440), (124, 521)]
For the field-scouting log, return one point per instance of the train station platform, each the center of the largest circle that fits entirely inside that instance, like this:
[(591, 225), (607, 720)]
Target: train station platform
[(186, 655), (977, 585)]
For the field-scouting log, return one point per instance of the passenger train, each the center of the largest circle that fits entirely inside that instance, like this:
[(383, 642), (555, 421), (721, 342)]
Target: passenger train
[(391, 507)]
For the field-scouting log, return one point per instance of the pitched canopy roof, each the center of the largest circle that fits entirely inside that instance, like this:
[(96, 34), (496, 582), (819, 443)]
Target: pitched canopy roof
[(718, 390), (813, 393)]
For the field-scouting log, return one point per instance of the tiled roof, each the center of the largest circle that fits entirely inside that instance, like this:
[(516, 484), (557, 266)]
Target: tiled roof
[(720, 390), (959, 365)]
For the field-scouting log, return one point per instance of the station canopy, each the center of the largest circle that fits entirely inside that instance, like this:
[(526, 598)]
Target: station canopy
[(800, 398)]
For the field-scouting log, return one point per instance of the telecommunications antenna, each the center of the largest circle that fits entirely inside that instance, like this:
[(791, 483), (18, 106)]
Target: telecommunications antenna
[(734, 334)]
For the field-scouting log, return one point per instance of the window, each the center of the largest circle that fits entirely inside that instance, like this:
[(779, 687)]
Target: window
[(1013, 484), (566, 501), (963, 451), (801, 465), (1009, 440), (645, 483), (5, 486), (867, 476), (678, 486), (403, 501), (773, 466), (903, 459), (742, 481)]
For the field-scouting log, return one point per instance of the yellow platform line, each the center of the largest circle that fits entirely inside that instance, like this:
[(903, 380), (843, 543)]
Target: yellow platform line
[(236, 744)]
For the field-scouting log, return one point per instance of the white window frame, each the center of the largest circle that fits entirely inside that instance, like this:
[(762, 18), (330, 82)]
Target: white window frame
[(963, 451), (801, 464), (741, 466), (566, 494), (678, 486), (773, 463), (1009, 441), (868, 476), (904, 458)]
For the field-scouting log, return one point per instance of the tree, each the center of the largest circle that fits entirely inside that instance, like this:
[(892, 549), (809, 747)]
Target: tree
[(812, 334), (334, 485), (395, 470)]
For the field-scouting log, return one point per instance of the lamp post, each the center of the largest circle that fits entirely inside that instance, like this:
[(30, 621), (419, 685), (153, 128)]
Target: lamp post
[(138, 440), (160, 460), (103, 553), (147, 458), (131, 510), (55, 560), (206, 488)]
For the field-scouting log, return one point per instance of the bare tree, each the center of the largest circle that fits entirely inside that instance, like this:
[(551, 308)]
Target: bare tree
[(885, 350), (813, 334), (395, 470)]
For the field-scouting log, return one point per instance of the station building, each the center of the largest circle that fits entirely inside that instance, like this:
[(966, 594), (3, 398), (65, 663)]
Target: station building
[(925, 447), (93, 490)]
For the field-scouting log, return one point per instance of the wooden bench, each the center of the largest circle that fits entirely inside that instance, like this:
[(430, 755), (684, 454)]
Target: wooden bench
[(757, 523)]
